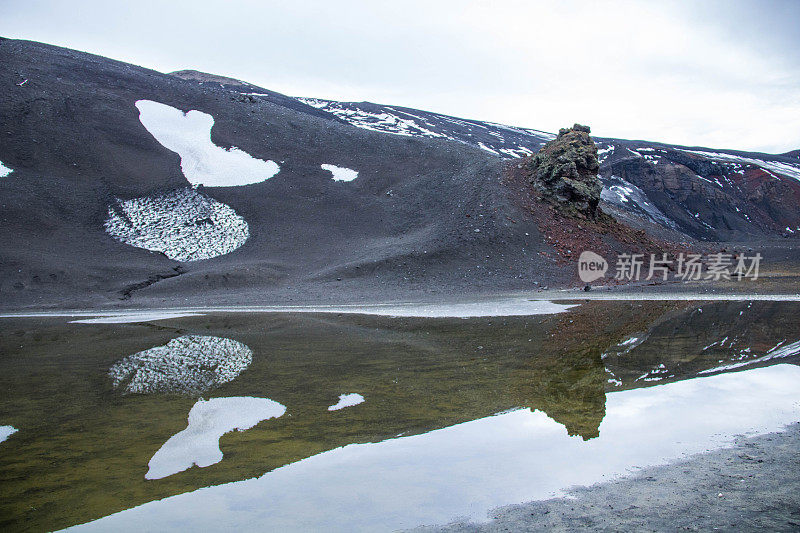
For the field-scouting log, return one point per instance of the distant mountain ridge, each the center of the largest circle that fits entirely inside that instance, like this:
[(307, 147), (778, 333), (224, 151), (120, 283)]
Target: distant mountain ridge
[(707, 194)]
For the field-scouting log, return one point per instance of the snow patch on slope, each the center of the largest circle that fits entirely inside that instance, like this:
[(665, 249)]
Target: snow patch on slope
[(4, 170), (486, 148), (604, 153), (622, 193), (191, 364), (198, 444), (202, 162), (340, 173), (185, 225)]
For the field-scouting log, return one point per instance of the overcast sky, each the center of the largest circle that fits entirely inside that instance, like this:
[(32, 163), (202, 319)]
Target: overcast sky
[(722, 74)]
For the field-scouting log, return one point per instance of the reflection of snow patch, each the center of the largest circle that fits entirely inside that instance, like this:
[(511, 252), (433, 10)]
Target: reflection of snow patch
[(185, 225), (6, 431), (4, 170), (777, 352), (202, 162), (504, 307), (346, 400), (514, 457), (131, 318), (340, 173), (191, 364), (198, 444)]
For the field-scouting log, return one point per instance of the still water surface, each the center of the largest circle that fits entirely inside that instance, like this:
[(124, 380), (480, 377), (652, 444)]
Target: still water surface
[(227, 420)]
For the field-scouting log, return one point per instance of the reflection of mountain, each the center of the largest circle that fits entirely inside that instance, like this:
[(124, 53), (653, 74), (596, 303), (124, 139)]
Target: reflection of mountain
[(83, 447), (706, 338), (462, 471)]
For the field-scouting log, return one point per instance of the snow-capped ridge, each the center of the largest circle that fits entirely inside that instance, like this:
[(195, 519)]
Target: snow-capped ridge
[(508, 142)]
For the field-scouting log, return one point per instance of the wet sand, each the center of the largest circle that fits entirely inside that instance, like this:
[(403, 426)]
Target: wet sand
[(752, 486)]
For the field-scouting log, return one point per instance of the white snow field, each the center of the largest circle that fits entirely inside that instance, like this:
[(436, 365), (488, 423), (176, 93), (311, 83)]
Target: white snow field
[(4, 170), (203, 162), (185, 225), (467, 469), (198, 444), (192, 364), (340, 173), (6, 431), (347, 400)]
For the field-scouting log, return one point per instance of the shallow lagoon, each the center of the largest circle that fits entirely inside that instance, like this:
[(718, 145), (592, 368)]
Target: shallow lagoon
[(558, 383)]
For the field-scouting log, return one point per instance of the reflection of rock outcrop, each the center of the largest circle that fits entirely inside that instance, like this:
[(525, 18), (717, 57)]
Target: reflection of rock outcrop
[(417, 375), (574, 394), (185, 225), (569, 388), (190, 365), (569, 384)]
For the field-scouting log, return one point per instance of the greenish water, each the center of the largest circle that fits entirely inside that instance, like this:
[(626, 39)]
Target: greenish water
[(83, 446)]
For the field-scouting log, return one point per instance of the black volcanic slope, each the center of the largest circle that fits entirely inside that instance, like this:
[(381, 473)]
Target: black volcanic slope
[(430, 212), (71, 134)]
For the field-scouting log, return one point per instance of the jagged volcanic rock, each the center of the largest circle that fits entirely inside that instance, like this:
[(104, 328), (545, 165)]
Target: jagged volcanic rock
[(564, 172)]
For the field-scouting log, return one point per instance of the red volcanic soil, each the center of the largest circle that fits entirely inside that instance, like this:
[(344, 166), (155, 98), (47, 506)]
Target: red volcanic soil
[(571, 235)]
